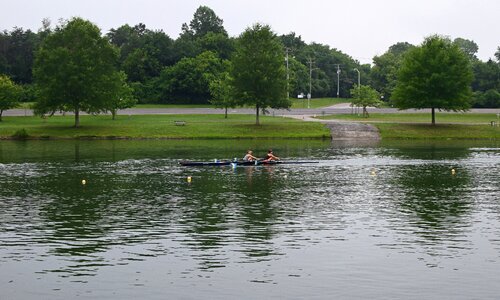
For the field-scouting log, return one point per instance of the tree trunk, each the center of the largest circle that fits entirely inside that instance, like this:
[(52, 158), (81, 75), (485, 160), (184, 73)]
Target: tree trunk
[(365, 112), (1, 112), (257, 115), (225, 113), (113, 114), (433, 117), (77, 118)]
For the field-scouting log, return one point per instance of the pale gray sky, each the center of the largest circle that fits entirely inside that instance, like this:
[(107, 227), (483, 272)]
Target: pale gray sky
[(361, 28)]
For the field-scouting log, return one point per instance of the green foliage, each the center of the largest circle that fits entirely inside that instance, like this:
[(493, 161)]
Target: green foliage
[(123, 96), (188, 80), (17, 49), (469, 47), (325, 64), (364, 96), (75, 70), (222, 92), (21, 134), (143, 52), (9, 94), (488, 99), (204, 21), (486, 75), (258, 72), (386, 66), (436, 75)]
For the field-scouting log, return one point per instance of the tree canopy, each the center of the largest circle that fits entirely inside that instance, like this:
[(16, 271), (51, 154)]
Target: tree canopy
[(435, 75), (258, 72), (75, 70), (145, 53), (9, 94), (364, 96)]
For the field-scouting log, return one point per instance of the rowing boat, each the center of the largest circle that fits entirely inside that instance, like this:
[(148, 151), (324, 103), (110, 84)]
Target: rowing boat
[(235, 163)]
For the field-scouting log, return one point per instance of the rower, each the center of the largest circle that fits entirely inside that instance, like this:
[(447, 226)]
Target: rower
[(270, 156), (249, 156)]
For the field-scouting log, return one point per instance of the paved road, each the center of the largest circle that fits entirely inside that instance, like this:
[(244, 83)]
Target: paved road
[(275, 112)]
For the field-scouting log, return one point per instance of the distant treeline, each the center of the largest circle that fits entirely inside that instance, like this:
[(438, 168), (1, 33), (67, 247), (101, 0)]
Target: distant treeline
[(164, 70)]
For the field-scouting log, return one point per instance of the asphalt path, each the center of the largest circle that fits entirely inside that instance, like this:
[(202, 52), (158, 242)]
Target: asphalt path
[(271, 112)]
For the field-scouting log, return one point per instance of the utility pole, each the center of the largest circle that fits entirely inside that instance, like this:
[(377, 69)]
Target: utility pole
[(287, 75)]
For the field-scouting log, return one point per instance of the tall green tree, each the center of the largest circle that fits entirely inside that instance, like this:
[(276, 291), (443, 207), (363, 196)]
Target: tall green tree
[(386, 66), (204, 21), (435, 75), (75, 70), (258, 73), (17, 49), (364, 96), (469, 47), (188, 81), (123, 98), (9, 94), (222, 92)]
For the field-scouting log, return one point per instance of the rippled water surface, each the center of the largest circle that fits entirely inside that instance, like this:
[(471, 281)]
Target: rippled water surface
[(387, 221)]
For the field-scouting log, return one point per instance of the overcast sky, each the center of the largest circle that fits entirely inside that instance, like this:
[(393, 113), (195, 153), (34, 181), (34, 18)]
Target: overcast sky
[(359, 28)]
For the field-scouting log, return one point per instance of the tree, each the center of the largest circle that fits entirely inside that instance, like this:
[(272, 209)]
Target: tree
[(204, 21), (123, 98), (365, 96), (469, 47), (222, 92), (386, 66), (435, 75), (9, 94), (16, 54), (188, 80), (75, 70), (258, 71)]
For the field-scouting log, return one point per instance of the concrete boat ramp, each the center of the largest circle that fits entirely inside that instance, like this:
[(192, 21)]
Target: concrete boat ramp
[(341, 130)]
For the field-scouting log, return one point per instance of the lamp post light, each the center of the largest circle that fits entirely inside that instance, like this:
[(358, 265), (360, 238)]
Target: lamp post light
[(359, 83), (338, 81), (359, 77)]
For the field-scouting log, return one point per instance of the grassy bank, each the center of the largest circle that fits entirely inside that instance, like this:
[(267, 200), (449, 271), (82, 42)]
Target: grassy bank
[(417, 126), (441, 118), (440, 131), (317, 102), (161, 126)]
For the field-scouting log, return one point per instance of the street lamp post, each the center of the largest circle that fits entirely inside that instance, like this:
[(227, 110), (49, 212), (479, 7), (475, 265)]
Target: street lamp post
[(359, 77), (359, 82)]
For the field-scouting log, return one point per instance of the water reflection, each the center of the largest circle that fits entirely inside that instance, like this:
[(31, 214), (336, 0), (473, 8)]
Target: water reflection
[(436, 204), (137, 209)]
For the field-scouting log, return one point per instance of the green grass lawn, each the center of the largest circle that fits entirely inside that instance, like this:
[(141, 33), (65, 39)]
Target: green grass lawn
[(440, 131), (418, 125), (162, 126), (296, 103), (317, 102), (441, 118), (173, 106)]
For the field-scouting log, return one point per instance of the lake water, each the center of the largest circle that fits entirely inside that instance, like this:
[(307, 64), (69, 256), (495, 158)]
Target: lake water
[(387, 221)]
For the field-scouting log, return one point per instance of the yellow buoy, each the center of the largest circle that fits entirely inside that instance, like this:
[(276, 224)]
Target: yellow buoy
[(453, 172), (373, 172), (189, 179), (84, 181)]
